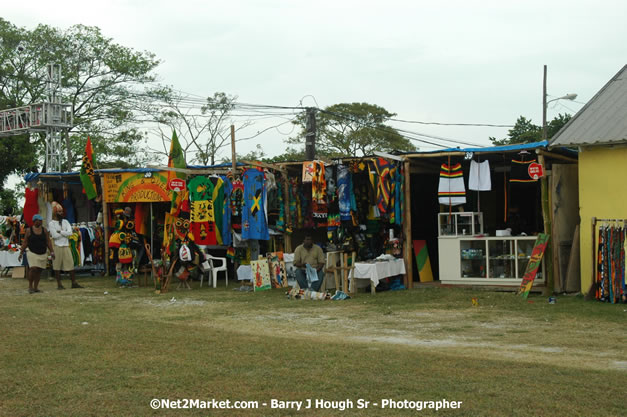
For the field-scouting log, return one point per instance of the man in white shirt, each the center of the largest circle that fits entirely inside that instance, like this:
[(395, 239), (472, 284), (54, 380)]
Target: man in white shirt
[(60, 230)]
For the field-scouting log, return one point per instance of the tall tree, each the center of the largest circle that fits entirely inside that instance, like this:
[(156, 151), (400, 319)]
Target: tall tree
[(204, 131), (524, 131), (353, 129), (109, 87)]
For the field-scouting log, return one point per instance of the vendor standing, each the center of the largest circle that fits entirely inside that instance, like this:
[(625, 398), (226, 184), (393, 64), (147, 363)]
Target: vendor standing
[(308, 254), (38, 242), (60, 231)]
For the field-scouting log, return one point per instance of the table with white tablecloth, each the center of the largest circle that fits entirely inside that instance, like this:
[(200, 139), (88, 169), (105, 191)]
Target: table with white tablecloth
[(9, 259), (376, 271)]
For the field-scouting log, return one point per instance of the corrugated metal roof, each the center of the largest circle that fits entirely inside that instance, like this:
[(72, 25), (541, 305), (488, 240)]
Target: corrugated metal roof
[(603, 120)]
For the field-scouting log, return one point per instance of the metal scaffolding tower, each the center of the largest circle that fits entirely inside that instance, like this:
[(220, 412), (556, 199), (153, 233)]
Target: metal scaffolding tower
[(51, 117)]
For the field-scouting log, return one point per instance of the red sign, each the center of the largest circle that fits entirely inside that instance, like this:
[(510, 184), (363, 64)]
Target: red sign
[(176, 184), (535, 170)]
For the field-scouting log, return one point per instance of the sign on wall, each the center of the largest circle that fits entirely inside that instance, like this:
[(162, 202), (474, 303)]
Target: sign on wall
[(136, 187)]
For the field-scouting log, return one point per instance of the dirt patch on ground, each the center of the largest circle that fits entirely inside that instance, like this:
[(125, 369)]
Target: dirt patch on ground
[(471, 334)]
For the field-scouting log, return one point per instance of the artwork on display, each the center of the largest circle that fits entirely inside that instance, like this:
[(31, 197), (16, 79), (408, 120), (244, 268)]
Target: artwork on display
[(261, 274), (133, 187), (422, 260), (278, 272), (273, 261), (533, 265), (283, 272)]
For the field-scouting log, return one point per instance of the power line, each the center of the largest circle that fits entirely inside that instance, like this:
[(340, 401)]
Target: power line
[(405, 133), (450, 124)]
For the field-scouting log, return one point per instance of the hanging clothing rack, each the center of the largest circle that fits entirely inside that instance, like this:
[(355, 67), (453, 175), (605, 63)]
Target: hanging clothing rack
[(597, 220)]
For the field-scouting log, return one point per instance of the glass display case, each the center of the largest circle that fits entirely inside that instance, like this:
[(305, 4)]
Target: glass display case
[(463, 223), (473, 259), (486, 260), (501, 259)]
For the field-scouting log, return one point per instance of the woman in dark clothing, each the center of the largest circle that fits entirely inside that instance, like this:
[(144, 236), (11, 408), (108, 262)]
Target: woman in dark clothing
[(38, 241)]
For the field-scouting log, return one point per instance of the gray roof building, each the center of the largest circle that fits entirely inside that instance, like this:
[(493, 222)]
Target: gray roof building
[(602, 121)]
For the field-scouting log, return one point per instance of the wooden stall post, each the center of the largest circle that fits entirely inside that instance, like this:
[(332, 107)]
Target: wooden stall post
[(407, 256), (105, 223), (336, 277), (287, 237), (546, 215), (233, 160)]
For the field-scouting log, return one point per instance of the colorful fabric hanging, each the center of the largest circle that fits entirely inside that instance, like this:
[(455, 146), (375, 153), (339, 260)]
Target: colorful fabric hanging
[(218, 206), (30, 205), (319, 194), (227, 239), (343, 192), (610, 274), (383, 185), (202, 215), (398, 195), (237, 203), (254, 224), (280, 223), (451, 190), (295, 214)]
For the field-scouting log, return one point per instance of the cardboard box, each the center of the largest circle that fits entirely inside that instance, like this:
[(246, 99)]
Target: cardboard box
[(18, 272)]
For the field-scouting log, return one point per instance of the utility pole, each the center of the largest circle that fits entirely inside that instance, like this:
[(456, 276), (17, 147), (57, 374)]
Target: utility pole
[(233, 160), (544, 106), (310, 135)]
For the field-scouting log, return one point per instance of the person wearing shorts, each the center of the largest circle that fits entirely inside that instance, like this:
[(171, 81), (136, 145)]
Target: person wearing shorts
[(37, 240), (60, 231)]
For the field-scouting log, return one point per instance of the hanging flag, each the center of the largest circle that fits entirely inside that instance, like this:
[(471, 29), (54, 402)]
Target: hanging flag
[(87, 172), (176, 160)]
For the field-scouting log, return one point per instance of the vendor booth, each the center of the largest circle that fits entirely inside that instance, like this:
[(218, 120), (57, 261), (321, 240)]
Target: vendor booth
[(479, 211), (66, 189)]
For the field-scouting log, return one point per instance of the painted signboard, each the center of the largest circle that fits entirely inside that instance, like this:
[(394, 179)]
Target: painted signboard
[(533, 265), (261, 274), (136, 187)]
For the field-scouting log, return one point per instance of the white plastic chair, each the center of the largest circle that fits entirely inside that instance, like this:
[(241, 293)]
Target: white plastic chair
[(215, 269)]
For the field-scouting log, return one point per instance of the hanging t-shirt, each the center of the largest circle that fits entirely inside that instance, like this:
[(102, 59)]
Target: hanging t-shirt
[(254, 225), (202, 217), (398, 195), (319, 184), (68, 206), (204, 233), (333, 208), (218, 206), (383, 185), (451, 190), (31, 207), (343, 192), (237, 203), (226, 217), (479, 177), (520, 171)]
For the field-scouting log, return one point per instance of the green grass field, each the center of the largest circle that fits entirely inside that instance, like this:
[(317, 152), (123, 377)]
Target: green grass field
[(86, 353)]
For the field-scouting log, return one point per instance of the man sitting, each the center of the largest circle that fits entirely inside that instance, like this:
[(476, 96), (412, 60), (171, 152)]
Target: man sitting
[(312, 255)]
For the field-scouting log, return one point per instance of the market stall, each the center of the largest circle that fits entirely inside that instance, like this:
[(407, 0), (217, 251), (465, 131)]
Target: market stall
[(480, 211), (66, 189), (354, 207)]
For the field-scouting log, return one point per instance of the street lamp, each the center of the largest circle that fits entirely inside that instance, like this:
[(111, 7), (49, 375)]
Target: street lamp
[(571, 96)]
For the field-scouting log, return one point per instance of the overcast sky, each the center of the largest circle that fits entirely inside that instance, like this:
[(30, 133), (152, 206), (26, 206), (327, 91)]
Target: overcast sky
[(436, 61)]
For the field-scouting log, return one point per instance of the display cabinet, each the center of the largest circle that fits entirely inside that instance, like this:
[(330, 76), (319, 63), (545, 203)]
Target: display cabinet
[(486, 260), (462, 223)]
